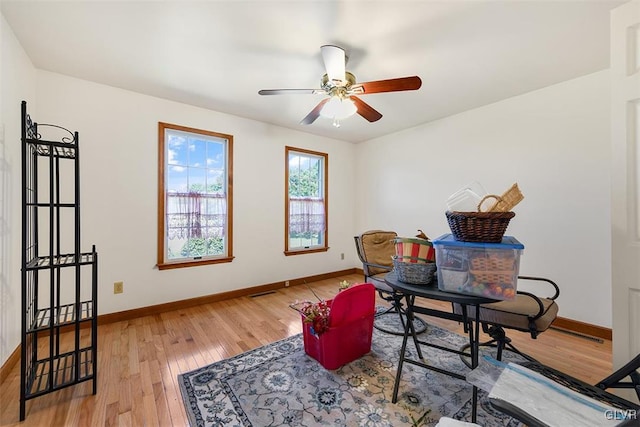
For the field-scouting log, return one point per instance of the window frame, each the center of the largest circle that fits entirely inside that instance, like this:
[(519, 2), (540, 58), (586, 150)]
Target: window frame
[(163, 263), (325, 182)]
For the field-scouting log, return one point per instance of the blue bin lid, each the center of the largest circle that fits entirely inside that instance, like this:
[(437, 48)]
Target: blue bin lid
[(508, 242)]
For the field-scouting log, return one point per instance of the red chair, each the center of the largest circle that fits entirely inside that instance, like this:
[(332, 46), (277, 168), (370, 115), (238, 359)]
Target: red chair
[(350, 328)]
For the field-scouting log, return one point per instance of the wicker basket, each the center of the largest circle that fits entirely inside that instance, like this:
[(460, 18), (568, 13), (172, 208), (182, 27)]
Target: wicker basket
[(493, 263), (414, 273), (415, 250), (486, 227), (508, 200), (498, 277)]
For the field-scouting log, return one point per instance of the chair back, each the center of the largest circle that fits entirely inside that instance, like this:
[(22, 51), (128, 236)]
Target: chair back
[(376, 247)]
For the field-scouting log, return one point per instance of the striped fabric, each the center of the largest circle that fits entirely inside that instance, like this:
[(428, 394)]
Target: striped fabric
[(415, 250)]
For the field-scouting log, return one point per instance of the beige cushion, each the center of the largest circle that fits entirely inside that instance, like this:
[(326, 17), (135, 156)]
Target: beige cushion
[(514, 314), (378, 247)]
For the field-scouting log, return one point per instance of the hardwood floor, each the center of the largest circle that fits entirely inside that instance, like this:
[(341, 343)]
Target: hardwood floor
[(139, 360)]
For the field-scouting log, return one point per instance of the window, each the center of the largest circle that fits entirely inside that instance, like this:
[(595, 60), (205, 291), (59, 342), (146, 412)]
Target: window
[(306, 201), (194, 197)]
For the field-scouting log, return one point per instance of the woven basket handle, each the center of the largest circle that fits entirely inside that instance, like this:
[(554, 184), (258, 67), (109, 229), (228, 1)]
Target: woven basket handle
[(488, 196)]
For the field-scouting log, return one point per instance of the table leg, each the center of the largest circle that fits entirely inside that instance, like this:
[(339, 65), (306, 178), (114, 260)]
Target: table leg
[(408, 328), (473, 330), (410, 316), (475, 350)]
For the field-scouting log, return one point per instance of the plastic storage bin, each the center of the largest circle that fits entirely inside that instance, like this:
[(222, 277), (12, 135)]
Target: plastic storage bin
[(350, 328), (467, 198), (473, 268)]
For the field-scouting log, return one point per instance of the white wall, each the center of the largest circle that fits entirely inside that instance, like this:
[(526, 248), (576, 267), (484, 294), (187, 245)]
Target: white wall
[(554, 142), (118, 142), (17, 83)]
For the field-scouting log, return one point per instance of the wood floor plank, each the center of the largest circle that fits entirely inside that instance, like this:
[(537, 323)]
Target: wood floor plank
[(139, 360), (150, 413), (111, 414)]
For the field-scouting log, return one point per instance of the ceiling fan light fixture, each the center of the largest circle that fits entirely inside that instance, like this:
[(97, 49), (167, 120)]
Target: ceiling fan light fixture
[(338, 108)]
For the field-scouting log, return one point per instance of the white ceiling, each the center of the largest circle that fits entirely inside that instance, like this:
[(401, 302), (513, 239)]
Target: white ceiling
[(218, 54)]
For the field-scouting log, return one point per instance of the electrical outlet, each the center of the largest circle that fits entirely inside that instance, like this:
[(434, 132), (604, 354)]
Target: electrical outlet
[(286, 283), (342, 256), (118, 287)]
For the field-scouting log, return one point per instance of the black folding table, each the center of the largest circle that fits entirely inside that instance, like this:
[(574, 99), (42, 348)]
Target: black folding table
[(431, 291)]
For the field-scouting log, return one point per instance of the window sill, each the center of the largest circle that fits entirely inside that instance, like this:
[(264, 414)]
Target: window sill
[(193, 263), (305, 251)]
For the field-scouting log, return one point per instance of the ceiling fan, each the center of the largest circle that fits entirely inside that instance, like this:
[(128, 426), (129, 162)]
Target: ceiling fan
[(341, 88)]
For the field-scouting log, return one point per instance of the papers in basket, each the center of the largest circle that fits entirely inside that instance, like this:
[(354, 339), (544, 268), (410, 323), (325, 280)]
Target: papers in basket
[(550, 402)]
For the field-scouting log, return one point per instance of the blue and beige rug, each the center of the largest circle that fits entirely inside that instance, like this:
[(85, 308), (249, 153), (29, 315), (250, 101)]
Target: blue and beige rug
[(279, 385)]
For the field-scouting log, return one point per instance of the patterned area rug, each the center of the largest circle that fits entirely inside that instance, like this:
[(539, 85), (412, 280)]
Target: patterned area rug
[(278, 384), (390, 322)]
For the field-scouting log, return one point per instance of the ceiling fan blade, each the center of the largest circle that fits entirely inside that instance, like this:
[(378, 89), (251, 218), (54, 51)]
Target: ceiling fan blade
[(315, 113), (334, 61), (289, 91), (366, 110), (390, 85)]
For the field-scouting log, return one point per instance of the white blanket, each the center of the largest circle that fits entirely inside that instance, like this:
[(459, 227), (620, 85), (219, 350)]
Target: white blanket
[(450, 422), (550, 402)]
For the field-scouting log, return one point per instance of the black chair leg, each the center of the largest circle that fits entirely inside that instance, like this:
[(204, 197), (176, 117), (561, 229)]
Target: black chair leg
[(500, 341), (396, 308), (630, 370), (503, 342)]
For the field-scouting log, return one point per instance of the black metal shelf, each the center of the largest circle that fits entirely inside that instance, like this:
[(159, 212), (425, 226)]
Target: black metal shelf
[(65, 372), (61, 150), (59, 289), (63, 315), (64, 260), (52, 205)]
